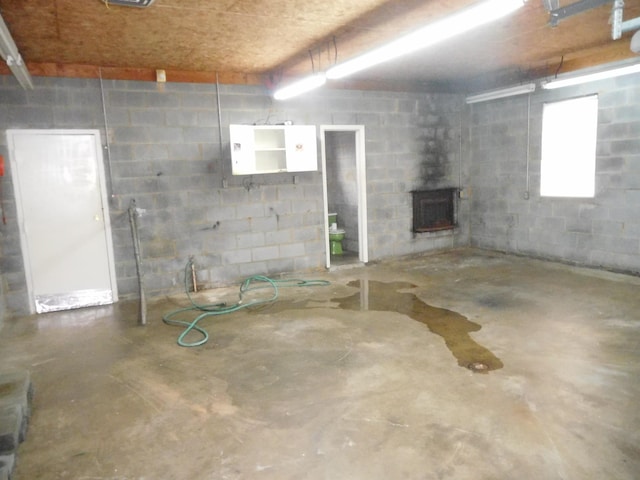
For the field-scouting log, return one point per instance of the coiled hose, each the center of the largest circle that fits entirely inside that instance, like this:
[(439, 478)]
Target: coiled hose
[(255, 282)]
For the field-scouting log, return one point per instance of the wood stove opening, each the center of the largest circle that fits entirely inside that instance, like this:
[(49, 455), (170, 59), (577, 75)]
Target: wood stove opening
[(434, 210)]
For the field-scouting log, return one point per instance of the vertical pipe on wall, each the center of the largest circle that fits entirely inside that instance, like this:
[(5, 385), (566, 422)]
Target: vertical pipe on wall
[(224, 179), (194, 280), (133, 221), (526, 193), (106, 137), (467, 109), (460, 151), (458, 201)]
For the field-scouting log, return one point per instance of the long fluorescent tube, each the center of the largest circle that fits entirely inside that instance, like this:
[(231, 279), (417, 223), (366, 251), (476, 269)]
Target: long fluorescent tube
[(591, 77), (301, 86), (502, 93), (431, 34), (129, 3), (9, 53)]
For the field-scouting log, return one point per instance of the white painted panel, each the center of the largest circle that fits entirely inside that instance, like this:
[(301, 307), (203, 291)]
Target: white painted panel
[(64, 218), (302, 148)]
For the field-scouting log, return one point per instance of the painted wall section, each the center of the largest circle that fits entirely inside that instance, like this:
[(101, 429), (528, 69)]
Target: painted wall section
[(603, 231), (166, 152)]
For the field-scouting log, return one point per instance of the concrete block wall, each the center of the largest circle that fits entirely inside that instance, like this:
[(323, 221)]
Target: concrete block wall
[(167, 153), (397, 137), (603, 231), (391, 177), (166, 150), (61, 103)]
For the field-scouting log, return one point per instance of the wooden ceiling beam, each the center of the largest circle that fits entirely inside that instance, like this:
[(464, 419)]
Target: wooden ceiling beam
[(137, 74), (181, 76)]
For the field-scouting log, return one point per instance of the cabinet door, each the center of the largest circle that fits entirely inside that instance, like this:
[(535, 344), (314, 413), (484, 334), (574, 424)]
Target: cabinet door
[(243, 158), (302, 150)]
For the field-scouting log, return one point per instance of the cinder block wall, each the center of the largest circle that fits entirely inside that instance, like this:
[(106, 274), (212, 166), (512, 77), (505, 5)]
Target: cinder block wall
[(165, 151), (603, 231)]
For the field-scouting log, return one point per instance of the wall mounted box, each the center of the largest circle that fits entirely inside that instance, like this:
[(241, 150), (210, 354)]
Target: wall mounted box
[(273, 149)]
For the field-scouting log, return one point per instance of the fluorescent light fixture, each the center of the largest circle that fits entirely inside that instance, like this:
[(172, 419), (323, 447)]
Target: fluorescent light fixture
[(428, 35), (9, 53), (129, 3), (300, 87), (591, 77), (502, 93)]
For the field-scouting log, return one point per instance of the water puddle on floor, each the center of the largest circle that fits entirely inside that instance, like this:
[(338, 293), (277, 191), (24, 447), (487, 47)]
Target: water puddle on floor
[(451, 326), (387, 297)]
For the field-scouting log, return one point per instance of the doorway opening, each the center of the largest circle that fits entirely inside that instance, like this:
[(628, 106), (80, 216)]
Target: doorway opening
[(345, 194)]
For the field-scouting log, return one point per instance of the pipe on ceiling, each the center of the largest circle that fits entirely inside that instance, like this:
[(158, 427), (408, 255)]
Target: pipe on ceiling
[(10, 54)]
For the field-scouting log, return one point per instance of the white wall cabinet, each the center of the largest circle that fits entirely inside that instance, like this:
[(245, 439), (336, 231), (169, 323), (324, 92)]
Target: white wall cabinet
[(273, 148)]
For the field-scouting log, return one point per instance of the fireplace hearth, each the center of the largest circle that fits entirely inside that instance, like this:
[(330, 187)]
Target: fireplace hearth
[(433, 210)]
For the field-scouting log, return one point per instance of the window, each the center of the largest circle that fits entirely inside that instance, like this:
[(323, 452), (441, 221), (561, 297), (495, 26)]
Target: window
[(568, 166)]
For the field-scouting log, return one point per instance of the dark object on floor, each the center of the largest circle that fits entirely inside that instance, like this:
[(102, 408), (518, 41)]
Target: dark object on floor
[(16, 394)]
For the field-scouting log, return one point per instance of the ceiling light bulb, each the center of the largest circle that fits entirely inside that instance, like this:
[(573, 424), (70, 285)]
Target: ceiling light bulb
[(431, 34), (300, 87)]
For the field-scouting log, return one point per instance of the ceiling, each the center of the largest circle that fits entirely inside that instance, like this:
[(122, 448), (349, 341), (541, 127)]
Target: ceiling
[(271, 41)]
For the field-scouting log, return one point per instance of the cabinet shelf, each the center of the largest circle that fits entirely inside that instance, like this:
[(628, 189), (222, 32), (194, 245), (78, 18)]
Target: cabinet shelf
[(273, 149)]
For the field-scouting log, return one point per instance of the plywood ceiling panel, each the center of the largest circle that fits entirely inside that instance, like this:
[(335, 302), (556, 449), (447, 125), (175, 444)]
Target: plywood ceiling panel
[(288, 38)]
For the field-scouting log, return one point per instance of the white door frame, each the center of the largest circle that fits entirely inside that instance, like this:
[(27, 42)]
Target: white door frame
[(11, 135), (361, 186)]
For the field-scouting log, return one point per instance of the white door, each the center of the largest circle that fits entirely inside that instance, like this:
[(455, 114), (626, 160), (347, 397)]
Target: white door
[(58, 177)]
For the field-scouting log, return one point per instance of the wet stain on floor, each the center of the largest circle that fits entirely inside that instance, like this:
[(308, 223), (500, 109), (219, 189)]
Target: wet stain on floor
[(451, 326)]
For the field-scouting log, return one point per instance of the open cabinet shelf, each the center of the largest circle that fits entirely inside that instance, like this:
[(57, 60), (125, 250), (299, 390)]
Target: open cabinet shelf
[(273, 149)]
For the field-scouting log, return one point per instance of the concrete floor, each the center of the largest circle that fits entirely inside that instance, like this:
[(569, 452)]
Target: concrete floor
[(367, 378)]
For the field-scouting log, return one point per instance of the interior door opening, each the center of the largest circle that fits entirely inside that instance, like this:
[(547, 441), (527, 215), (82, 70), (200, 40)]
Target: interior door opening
[(345, 199)]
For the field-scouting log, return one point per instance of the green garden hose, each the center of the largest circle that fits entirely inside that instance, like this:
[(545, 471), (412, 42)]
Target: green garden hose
[(255, 282)]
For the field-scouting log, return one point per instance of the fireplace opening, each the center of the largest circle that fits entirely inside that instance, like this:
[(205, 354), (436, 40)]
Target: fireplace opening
[(434, 210)]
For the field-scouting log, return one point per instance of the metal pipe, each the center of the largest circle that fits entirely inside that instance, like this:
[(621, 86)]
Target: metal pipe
[(616, 23), (527, 192), (460, 150), (106, 136), (224, 180), (630, 25), (133, 216), (10, 54), (580, 6), (458, 202), (194, 281)]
